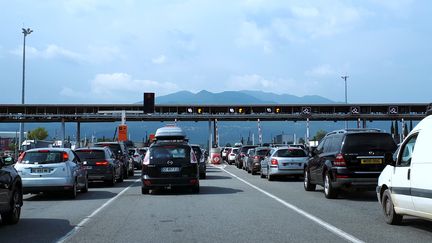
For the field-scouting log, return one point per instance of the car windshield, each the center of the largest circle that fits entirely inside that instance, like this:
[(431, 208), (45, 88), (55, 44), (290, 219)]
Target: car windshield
[(90, 154), (290, 153), (38, 157), (169, 153), (361, 142), (262, 152), (115, 148)]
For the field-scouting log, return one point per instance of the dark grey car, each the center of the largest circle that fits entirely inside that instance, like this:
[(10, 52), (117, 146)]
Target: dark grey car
[(11, 193)]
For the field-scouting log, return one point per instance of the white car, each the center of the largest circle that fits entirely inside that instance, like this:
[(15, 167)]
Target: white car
[(404, 186), (52, 169)]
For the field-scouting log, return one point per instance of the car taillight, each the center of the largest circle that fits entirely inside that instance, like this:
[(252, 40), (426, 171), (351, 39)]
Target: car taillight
[(102, 163), (242, 155), (65, 156), (21, 157), (274, 162), (339, 161), (256, 157)]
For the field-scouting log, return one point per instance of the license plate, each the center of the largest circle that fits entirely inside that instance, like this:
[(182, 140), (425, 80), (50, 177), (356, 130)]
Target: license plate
[(371, 161), (170, 169), (40, 170), (89, 167)]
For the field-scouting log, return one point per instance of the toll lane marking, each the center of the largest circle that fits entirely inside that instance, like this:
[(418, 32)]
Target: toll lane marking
[(315, 219), (88, 218)]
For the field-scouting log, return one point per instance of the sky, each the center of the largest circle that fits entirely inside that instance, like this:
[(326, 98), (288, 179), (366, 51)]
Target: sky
[(101, 51)]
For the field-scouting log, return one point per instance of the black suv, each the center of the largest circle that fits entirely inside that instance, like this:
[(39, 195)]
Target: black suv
[(350, 158), (11, 193), (121, 153), (170, 164)]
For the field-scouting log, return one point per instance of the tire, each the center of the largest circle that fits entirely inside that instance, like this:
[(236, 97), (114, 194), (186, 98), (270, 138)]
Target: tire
[(112, 181), (195, 189), (145, 190), (329, 191), (253, 172), (125, 173), (85, 188), (390, 216), (262, 175), (248, 170), (13, 215), (308, 186), (120, 179), (269, 177), (73, 192)]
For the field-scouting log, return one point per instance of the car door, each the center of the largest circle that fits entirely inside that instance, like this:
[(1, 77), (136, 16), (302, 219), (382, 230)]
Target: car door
[(5, 180), (421, 167), (401, 178), (79, 168), (315, 163)]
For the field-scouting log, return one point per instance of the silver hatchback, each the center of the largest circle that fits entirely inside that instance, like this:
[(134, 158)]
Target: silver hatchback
[(284, 161), (52, 169)]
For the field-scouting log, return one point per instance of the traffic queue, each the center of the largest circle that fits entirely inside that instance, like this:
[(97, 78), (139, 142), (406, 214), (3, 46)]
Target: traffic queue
[(344, 160)]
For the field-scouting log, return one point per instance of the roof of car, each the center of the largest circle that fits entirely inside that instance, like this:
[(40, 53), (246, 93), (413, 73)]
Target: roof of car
[(355, 130), (170, 131), (50, 149)]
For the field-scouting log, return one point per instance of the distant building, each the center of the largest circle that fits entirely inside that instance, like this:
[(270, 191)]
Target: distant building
[(8, 138), (284, 139)]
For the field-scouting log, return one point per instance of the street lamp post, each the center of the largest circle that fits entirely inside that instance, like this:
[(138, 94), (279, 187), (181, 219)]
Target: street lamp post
[(346, 96), (26, 32)]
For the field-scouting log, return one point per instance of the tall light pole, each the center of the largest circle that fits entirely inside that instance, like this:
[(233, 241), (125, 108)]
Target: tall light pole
[(26, 32), (346, 96)]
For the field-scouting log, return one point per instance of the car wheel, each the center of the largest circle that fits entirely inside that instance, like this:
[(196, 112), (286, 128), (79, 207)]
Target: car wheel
[(391, 217), (73, 191), (112, 181), (308, 186), (329, 191), (262, 175), (13, 215), (253, 172), (196, 189), (85, 188), (145, 190), (269, 177), (120, 179), (125, 173)]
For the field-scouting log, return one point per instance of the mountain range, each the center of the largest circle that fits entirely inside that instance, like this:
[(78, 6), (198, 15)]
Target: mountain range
[(238, 97)]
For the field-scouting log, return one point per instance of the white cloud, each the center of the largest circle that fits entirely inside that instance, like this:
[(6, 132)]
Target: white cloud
[(321, 71), (119, 87), (50, 52), (250, 36), (159, 60)]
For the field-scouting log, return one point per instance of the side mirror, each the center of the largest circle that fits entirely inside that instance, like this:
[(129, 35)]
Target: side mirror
[(389, 160), (9, 161)]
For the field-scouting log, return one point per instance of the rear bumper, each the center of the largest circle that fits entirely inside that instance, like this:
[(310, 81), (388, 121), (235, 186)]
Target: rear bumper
[(37, 189), (343, 177), (100, 176), (150, 183), (46, 182), (277, 171)]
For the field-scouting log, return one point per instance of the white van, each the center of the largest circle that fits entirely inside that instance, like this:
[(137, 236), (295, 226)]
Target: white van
[(404, 186)]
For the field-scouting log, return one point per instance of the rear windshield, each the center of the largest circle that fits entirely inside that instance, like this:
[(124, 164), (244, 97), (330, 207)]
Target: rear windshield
[(245, 149), (90, 154), (143, 151), (262, 152), (363, 142), (234, 151), (115, 148), (131, 152), (49, 157), (164, 153), (290, 153)]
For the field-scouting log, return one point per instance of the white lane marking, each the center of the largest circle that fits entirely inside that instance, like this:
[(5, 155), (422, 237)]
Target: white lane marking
[(319, 221), (86, 219)]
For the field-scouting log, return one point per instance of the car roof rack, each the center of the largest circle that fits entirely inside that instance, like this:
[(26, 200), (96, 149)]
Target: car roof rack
[(354, 130)]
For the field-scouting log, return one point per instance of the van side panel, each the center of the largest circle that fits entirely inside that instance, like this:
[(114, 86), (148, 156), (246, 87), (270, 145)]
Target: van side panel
[(421, 171)]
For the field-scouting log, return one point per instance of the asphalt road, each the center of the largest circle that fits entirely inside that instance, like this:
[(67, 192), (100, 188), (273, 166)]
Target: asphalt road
[(233, 206)]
